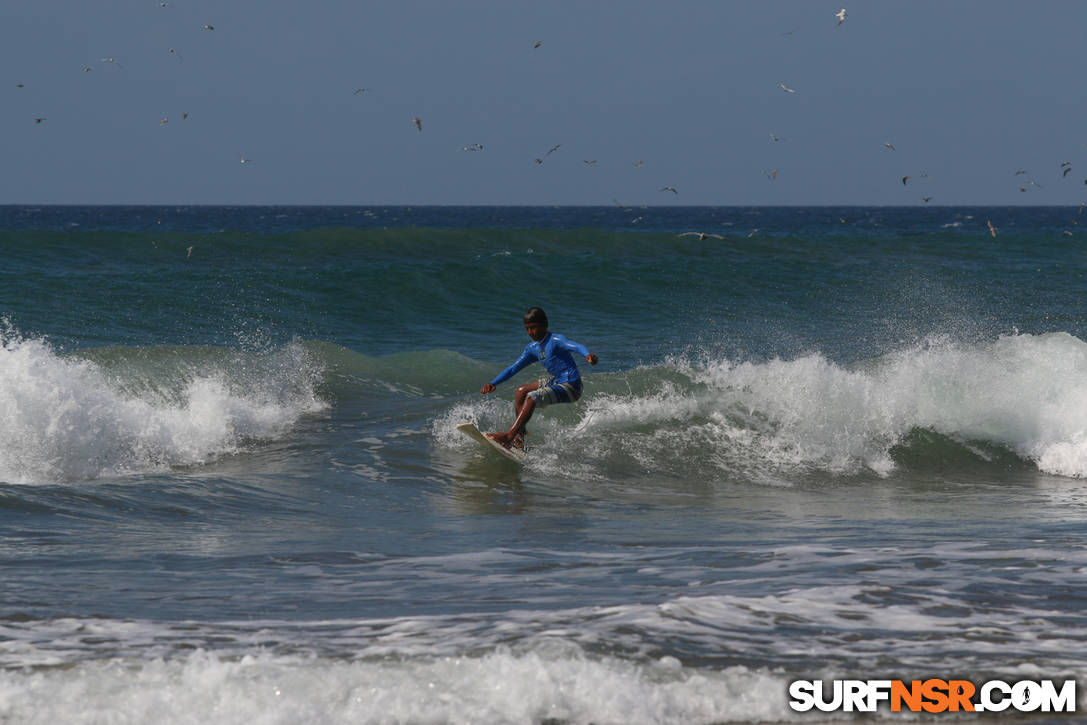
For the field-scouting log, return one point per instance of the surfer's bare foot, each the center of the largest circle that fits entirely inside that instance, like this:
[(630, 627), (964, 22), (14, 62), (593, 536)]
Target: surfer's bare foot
[(518, 441), (500, 438)]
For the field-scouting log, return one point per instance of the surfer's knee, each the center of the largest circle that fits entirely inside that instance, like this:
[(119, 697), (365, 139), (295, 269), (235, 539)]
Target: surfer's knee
[(523, 391)]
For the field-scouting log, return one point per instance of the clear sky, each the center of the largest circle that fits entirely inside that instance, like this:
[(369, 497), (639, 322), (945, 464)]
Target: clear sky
[(655, 94)]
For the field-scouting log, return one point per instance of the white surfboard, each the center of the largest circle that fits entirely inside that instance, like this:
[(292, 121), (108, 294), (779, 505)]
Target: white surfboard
[(514, 454)]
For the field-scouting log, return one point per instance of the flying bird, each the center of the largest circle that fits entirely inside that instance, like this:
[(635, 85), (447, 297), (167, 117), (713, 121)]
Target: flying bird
[(208, 27), (418, 123), (774, 137), (588, 163), (638, 164), (553, 149), (841, 16), (889, 145), (702, 236), (113, 61), (771, 174), (669, 188), (905, 179), (786, 88), (992, 229), (537, 44)]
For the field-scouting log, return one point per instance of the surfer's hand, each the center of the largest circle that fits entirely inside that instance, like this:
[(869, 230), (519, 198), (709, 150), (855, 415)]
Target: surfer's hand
[(487, 388), (592, 359)]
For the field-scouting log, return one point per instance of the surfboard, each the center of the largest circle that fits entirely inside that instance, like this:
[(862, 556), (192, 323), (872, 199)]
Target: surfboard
[(470, 430)]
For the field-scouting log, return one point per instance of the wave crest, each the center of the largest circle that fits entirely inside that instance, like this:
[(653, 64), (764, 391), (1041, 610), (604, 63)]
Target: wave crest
[(123, 411), (1015, 401)]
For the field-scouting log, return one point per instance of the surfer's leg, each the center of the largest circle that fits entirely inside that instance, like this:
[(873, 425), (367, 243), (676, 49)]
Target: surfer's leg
[(522, 409), (516, 434), (520, 400), (522, 394)]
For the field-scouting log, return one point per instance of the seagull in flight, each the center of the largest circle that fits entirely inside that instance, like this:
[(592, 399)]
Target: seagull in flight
[(702, 236), (786, 88), (889, 145), (553, 149), (841, 16), (418, 123), (112, 60), (669, 188), (992, 229), (207, 27)]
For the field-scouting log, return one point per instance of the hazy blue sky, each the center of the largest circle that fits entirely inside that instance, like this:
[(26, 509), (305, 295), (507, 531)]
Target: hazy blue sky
[(968, 92)]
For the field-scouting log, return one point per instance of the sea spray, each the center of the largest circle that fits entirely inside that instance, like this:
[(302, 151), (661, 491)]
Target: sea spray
[(120, 412), (730, 420)]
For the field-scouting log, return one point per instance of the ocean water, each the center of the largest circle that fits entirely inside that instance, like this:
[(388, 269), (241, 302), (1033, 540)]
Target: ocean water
[(833, 443)]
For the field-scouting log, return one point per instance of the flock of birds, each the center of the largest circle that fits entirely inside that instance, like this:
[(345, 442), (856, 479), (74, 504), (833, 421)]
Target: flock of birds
[(772, 174)]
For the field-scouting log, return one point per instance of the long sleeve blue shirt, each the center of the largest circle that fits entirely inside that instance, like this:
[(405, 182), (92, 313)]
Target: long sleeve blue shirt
[(554, 353)]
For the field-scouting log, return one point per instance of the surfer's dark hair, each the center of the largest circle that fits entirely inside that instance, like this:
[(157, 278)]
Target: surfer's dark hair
[(536, 315)]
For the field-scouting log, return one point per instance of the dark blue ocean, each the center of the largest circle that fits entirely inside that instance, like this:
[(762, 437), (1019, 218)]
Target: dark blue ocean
[(820, 443)]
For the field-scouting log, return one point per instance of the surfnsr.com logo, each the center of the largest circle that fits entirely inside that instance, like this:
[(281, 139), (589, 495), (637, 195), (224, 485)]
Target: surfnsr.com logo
[(933, 696)]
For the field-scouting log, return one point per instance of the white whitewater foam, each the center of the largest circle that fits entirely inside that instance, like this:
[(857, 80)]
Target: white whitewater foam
[(64, 419), (500, 687), (1026, 393)]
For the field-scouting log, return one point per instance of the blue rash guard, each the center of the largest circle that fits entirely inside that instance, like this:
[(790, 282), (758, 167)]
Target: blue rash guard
[(554, 354)]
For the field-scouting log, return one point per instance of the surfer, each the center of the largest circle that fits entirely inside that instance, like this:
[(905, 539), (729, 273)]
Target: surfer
[(553, 351)]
